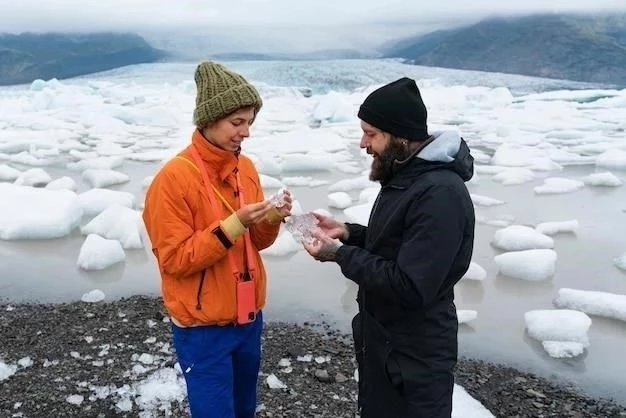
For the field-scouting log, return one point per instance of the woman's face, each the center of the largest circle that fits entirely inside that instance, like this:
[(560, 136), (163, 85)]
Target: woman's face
[(229, 132)]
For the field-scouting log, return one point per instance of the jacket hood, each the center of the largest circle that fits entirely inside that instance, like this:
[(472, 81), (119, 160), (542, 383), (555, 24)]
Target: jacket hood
[(446, 150)]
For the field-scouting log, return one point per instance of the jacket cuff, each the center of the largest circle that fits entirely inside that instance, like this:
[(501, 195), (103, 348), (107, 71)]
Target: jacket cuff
[(233, 227), (342, 257), (273, 217)]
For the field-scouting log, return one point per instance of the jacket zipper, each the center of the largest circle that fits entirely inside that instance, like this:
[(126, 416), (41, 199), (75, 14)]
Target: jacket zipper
[(198, 304)]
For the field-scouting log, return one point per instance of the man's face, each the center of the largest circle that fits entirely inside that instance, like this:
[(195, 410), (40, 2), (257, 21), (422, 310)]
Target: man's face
[(384, 149)]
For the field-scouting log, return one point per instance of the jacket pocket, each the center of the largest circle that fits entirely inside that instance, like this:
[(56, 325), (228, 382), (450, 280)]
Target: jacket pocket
[(393, 370)]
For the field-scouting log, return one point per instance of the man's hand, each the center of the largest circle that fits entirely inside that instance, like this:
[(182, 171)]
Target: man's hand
[(332, 228), (324, 248)]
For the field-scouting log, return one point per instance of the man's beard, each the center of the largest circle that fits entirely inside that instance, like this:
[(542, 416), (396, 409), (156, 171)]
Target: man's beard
[(383, 166)]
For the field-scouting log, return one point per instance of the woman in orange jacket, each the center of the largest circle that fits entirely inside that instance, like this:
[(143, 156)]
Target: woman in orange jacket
[(207, 220)]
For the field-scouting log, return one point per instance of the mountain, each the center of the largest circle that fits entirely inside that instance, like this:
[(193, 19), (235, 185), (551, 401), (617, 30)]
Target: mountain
[(573, 47), (28, 56), (329, 54)]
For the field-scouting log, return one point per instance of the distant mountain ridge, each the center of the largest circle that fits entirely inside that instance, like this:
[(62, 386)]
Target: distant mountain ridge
[(28, 56), (329, 54), (573, 47)]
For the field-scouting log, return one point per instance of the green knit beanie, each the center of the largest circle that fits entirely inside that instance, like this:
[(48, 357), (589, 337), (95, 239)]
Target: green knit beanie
[(221, 92)]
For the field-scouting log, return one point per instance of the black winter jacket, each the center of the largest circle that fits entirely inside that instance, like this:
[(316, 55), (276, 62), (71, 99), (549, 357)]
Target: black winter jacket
[(417, 246)]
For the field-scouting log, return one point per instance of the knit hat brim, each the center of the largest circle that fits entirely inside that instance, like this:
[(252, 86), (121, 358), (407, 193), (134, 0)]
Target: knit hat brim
[(225, 103), (385, 124)]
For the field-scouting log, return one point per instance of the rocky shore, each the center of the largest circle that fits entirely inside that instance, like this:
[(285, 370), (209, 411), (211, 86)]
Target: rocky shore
[(116, 359)]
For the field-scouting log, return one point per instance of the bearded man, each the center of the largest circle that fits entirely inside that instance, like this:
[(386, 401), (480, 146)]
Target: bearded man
[(417, 245)]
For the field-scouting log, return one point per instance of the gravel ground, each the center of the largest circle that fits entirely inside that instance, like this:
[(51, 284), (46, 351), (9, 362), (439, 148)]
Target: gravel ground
[(115, 359)]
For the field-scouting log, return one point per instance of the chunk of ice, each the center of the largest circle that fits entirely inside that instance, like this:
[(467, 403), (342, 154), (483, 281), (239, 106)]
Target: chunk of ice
[(558, 325), (533, 265), (520, 237), (553, 228), (301, 227), (603, 179), (475, 272), (278, 199), (563, 349), (608, 305)]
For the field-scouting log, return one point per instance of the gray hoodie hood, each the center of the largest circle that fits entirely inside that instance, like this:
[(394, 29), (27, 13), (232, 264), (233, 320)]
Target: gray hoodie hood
[(445, 150)]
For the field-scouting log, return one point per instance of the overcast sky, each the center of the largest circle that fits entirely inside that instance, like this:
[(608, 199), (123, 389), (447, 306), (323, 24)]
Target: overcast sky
[(81, 15), (197, 27)]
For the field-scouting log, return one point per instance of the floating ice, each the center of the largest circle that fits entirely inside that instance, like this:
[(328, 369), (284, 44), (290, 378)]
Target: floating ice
[(268, 182), (485, 200), (95, 201), (465, 316), (348, 185), (555, 185), (515, 155), (267, 165), (34, 213), (558, 325), (303, 181), (513, 176), (146, 182), (481, 156), (104, 178), (369, 194), (339, 200), (604, 179), (285, 244), (489, 169), (104, 163), (563, 349), (62, 183), (333, 107), (608, 305), (553, 228), (612, 159), (520, 237), (532, 265), (475, 272), (360, 213), (117, 222), (501, 221), (307, 162), (8, 173), (36, 177), (98, 253)]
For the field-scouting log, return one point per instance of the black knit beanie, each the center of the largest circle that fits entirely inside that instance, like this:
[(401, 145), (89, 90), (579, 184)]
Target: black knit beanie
[(397, 108)]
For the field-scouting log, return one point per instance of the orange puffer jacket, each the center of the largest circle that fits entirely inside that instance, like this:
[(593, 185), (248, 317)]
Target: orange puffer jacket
[(188, 239)]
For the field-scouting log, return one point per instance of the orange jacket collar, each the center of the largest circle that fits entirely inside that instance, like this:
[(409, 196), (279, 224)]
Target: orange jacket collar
[(218, 160)]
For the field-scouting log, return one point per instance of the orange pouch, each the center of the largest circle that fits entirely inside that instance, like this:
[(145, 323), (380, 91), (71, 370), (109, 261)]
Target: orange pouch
[(246, 311)]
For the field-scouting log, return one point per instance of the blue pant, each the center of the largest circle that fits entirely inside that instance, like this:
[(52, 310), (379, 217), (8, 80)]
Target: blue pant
[(221, 366)]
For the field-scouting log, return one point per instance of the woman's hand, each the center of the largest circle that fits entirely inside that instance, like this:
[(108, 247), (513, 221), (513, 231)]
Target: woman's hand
[(253, 213), (285, 210)]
